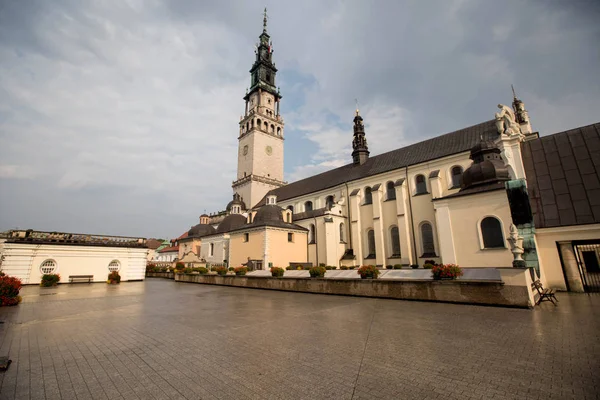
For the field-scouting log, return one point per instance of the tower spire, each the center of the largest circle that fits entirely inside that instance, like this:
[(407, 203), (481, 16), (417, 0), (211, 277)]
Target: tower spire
[(360, 153), (265, 21), (513, 90)]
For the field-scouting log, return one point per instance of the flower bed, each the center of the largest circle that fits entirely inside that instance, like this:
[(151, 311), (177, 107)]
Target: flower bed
[(9, 290), (276, 272), (317, 272), (240, 271), (220, 270), (446, 271)]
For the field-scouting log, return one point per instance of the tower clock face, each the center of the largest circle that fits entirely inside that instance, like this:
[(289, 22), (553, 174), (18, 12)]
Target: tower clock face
[(269, 150)]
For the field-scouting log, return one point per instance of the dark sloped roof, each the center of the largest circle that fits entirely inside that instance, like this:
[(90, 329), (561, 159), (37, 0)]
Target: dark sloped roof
[(309, 214), (437, 147), (200, 230), (563, 176), (230, 222)]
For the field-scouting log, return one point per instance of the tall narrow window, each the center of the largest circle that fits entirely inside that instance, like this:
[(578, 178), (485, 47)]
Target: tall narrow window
[(308, 206), (395, 239), (311, 234), (368, 196), (491, 232), (456, 173), (342, 232), (329, 202), (427, 239), (212, 249), (421, 184), (246, 237), (290, 237), (371, 244), (390, 191)]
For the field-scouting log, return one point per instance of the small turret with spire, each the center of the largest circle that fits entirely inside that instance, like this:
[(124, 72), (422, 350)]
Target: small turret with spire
[(521, 114), (360, 153)]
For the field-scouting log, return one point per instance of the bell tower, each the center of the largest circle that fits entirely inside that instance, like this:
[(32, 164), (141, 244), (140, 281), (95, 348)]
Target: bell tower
[(260, 141)]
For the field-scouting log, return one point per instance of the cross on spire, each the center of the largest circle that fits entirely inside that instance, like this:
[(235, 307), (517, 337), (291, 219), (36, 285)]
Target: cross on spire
[(265, 21)]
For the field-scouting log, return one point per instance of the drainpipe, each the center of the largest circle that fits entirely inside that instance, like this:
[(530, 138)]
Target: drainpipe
[(349, 216), (412, 222), (316, 242)]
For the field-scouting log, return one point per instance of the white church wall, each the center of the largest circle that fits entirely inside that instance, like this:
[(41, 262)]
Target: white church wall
[(24, 261)]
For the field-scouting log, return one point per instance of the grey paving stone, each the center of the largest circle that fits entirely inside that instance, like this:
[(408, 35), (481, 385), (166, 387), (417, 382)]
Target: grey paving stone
[(165, 340)]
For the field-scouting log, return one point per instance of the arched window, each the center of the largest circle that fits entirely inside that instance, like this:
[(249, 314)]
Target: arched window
[(311, 234), (427, 240), (291, 208), (308, 206), (114, 265), (390, 191), (252, 123), (212, 249), (266, 127), (491, 233), (329, 202), (48, 267), (278, 131), (247, 126), (368, 196), (456, 173), (342, 232), (371, 244), (272, 128), (395, 239), (421, 185), (258, 123), (289, 217)]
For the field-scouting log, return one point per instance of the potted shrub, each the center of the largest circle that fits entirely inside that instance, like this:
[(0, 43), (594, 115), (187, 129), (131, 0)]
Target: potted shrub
[(50, 280), (179, 268), (202, 270), (114, 278), (352, 267), (432, 262), (241, 271), (344, 267), (446, 271), (220, 270), (9, 290), (317, 272), (277, 272), (389, 267), (368, 272), (428, 266), (414, 266), (397, 266), (231, 269), (188, 270)]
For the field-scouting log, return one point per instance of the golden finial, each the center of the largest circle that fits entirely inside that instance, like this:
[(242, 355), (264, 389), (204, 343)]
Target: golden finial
[(356, 101)]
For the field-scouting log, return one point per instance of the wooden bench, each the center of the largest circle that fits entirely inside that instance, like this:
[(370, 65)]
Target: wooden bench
[(545, 294), (73, 278)]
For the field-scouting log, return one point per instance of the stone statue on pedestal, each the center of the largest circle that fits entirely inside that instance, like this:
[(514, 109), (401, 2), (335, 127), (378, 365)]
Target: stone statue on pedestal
[(516, 243), (506, 122)]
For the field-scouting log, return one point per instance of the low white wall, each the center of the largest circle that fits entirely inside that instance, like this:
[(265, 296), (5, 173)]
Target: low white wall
[(24, 260)]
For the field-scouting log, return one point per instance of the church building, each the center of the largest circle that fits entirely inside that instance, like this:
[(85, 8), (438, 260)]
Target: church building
[(455, 198)]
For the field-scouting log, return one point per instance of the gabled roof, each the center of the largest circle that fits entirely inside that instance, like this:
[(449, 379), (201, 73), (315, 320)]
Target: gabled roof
[(563, 177), (168, 249), (437, 147)]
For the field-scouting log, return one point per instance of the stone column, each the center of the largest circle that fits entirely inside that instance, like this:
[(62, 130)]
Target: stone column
[(380, 247), (510, 148), (278, 107), (355, 225), (404, 225), (444, 231), (570, 267), (246, 112)]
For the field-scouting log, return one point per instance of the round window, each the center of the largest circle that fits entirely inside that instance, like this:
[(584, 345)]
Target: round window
[(48, 267), (114, 266)]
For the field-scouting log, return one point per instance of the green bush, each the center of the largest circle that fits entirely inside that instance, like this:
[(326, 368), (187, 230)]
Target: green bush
[(220, 270), (352, 267), (428, 266), (344, 267), (317, 272), (414, 266), (114, 277), (276, 272), (50, 280), (179, 266), (368, 271), (231, 269), (240, 271), (389, 267), (397, 266), (201, 270), (322, 265), (330, 267), (188, 270), (290, 268)]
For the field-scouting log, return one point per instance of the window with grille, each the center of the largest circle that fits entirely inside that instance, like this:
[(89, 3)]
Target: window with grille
[(456, 173), (427, 239), (421, 184), (48, 267), (395, 238), (114, 265)]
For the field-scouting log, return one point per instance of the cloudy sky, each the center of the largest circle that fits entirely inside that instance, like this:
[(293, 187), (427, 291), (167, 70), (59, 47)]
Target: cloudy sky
[(120, 117)]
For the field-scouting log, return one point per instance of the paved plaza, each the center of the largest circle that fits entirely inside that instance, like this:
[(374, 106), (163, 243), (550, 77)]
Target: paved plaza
[(165, 340)]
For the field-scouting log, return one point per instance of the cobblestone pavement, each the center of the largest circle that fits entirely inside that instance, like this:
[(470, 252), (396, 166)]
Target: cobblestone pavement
[(165, 340)]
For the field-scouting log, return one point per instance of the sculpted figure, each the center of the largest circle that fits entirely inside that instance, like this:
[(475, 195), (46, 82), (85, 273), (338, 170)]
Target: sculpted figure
[(506, 122), (516, 243)]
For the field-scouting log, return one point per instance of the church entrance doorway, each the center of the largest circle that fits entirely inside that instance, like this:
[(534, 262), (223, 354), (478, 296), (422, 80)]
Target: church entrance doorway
[(587, 254)]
